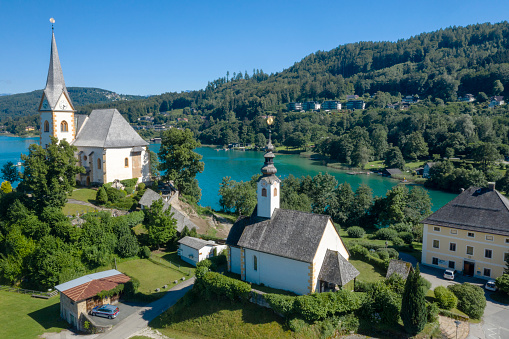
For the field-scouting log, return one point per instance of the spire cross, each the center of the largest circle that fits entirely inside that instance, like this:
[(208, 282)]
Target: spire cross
[(52, 22)]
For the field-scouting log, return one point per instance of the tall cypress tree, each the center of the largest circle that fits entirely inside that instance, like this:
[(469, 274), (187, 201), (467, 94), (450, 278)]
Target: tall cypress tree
[(413, 306)]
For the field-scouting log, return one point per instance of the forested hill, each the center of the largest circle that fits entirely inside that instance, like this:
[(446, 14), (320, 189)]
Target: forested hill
[(24, 104), (442, 64)]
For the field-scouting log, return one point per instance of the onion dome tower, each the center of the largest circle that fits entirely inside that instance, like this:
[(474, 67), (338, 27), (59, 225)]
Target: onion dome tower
[(268, 187)]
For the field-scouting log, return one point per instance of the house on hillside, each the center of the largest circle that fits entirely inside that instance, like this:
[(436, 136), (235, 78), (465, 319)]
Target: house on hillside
[(426, 168), (467, 98), (331, 105), (193, 250), (80, 296), (355, 104), (285, 249), (183, 220), (469, 234), (403, 268), (496, 101), (294, 106)]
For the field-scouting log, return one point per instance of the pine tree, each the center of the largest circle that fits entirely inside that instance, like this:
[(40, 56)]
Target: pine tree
[(101, 196), (413, 305)]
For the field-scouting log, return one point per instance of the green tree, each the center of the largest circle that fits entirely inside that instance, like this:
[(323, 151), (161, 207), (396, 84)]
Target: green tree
[(413, 305), (498, 88), (414, 146), (49, 173), (360, 155), (6, 187), (178, 160), (154, 163), (485, 153), (10, 172), (101, 197), (160, 224), (362, 201), (238, 196), (394, 158)]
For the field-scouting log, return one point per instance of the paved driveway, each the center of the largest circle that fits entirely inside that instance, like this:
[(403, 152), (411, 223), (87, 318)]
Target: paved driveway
[(125, 310), (495, 322)]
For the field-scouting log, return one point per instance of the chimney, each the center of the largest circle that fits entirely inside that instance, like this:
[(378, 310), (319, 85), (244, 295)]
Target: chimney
[(491, 186)]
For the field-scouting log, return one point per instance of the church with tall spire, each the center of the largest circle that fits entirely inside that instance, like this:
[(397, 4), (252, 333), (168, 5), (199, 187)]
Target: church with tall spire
[(285, 249), (108, 147)]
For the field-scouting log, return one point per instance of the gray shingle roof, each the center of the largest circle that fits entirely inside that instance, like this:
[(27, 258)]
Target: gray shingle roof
[(336, 269), (107, 128), (393, 171), (195, 242), (291, 234), (476, 209), (400, 267), (149, 197), (55, 84)]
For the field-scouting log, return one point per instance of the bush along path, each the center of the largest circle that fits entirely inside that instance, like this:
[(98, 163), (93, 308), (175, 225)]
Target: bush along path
[(139, 320)]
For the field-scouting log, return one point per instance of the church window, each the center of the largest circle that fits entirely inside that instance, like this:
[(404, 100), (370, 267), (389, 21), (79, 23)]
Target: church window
[(126, 162), (275, 191), (85, 158), (255, 263), (46, 126), (63, 126), (98, 163), (264, 192)]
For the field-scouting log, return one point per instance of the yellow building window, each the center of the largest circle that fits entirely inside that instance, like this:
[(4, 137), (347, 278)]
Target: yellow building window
[(489, 237), (436, 244), (454, 231), (436, 229), (126, 162), (488, 253), (487, 272), (471, 234), (452, 247), (63, 126), (470, 250)]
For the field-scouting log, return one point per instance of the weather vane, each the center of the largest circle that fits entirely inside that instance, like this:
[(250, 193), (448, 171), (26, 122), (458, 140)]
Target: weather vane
[(52, 22)]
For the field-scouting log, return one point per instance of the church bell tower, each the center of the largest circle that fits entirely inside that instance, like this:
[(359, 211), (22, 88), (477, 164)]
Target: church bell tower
[(56, 108), (268, 187)]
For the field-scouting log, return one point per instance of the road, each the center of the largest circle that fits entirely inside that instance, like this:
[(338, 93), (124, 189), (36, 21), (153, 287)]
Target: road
[(139, 320)]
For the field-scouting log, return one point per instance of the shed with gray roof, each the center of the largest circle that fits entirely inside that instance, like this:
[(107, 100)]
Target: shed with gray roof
[(336, 270), (194, 250), (403, 268)]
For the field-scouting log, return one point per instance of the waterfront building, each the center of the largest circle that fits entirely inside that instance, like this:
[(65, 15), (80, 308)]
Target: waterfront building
[(331, 105)]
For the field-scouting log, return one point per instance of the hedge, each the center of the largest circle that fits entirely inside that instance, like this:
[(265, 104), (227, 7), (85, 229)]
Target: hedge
[(445, 298), (214, 284), (355, 232), (315, 306), (109, 293), (129, 182), (454, 315), (362, 253), (471, 299)]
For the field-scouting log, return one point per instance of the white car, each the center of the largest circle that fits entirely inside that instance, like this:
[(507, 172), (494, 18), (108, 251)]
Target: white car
[(449, 274), (490, 285)]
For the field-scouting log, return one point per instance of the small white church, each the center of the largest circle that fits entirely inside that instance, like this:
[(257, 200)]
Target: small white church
[(108, 147), (285, 249)]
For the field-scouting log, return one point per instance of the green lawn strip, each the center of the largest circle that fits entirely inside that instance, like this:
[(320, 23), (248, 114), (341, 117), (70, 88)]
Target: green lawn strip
[(172, 259), (368, 273), (84, 194), (222, 319), (25, 317), (74, 209), (150, 275)]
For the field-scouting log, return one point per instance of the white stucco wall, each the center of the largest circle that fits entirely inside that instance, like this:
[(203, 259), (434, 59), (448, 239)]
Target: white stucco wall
[(69, 118), (115, 168), (332, 241), (97, 174), (277, 272), (235, 260), (185, 252), (266, 205)]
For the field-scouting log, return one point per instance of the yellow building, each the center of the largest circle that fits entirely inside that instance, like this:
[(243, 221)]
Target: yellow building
[(469, 234)]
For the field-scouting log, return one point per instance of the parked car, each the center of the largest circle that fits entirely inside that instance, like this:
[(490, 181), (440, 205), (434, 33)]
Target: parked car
[(490, 285), (107, 311), (449, 274)]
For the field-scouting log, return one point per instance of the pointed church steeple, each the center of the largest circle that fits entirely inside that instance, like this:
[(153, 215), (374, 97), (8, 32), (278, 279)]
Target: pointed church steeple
[(56, 109), (268, 188)]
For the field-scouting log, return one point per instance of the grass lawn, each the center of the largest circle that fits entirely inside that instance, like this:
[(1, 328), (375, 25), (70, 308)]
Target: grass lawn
[(74, 209), (150, 275), (368, 272), (374, 165), (22, 316), (222, 319), (84, 194)]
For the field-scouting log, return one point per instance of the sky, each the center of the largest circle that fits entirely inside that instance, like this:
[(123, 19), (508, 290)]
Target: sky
[(146, 47)]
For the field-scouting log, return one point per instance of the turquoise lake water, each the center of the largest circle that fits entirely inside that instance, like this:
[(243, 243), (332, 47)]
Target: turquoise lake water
[(242, 166)]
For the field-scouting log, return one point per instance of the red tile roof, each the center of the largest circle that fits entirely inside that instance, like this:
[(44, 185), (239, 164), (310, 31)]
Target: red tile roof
[(92, 288)]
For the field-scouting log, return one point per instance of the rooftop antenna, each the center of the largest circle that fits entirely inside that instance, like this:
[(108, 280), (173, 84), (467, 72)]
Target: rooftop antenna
[(52, 22)]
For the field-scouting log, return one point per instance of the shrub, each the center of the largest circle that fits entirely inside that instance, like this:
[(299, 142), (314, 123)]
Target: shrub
[(282, 304), (397, 241), (386, 234), (432, 310), (381, 304), (297, 324), (359, 252), (204, 263), (145, 252), (355, 232), (407, 237), (384, 255), (129, 182), (361, 286), (129, 190), (213, 284), (402, 227), (114, 195), (393, 254), (445, 298), (502, 283), (396, 283), (101, 197), (131, 287), (425, 284), (471, 299), (141, 186)]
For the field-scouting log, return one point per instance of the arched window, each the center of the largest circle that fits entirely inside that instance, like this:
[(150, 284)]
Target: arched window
[(275, 191), (85, 157), (264, 192), (63, 126), (255, 263), (98, 163), (126, 162), (46, 126)]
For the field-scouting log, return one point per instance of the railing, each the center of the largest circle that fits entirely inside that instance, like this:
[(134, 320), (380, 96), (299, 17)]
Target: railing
[(35, 294)]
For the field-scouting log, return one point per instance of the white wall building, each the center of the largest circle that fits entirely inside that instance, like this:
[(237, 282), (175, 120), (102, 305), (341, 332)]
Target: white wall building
[(193, 250), (108, 147), (285, 249)]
